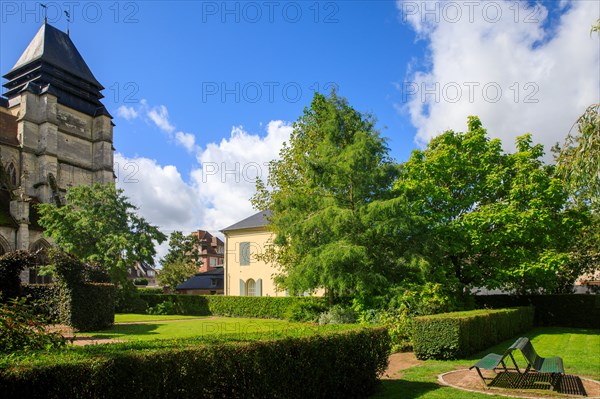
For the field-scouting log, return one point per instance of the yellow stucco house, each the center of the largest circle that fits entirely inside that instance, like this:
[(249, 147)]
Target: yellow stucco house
[(245, 275)]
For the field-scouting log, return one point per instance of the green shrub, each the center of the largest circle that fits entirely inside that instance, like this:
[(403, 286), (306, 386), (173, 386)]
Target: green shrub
[(459, 334), (11, 266), (337, 314), (168, 307), (305, 311), (88, 306), (234, 306), (21, 328), (400, 327), (140, 281), (332, 365), (564, 310), (45, 298), (149, 291), (128, 300)]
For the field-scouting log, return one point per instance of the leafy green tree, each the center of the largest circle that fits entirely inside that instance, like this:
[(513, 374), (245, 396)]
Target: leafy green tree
[(176, 272), (182, 247), (335, 166), (100, 226), (490, 219), (579, 159), (181, 262)]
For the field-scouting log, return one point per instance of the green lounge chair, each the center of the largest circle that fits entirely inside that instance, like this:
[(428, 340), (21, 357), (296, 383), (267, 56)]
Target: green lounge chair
[(538, 364), (491, 361)]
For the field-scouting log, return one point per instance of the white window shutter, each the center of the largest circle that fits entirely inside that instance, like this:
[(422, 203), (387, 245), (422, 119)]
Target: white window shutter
[(259, 287), (242, 288)]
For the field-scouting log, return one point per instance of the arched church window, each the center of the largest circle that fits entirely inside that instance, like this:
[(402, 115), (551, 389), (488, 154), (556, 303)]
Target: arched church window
[(12, 174)]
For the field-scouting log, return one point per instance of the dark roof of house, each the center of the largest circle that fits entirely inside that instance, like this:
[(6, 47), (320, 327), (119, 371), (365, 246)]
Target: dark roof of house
[(55, 47), (257, 220), (204, 281), (51, 64)]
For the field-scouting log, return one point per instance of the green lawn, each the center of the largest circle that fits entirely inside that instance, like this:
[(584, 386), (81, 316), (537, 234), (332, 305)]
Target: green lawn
[(159, 327), (135, 317), (579, 348)]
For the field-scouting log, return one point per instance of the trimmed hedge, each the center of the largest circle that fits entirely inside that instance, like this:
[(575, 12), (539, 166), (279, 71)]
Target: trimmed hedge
[(566, 310), (149, 291), (335, 365), (47, 296), (234, 306), (459, 334), (88, 306)]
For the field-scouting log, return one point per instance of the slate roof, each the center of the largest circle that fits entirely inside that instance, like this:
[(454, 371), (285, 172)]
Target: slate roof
[(52, 64), (204, 281), (55, 47), (257, 220)]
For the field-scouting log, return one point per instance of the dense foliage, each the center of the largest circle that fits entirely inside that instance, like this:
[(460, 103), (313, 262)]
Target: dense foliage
[(459, 334), (99, 225), (335, 165), (336, 365), (460, 214), (579, 159), (491, 219), (181, 262), (565, 310), (23, 328), (83, 303), (11, 266)]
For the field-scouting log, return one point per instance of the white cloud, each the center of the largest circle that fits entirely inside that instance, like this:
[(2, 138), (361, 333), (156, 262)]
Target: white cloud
[(160, 116), (228, 172), (128, 113), (187, 140), (161, 194), (502, 63), (218, 191)]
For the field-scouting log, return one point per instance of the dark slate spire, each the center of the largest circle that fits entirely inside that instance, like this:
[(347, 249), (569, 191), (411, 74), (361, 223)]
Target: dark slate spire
[(52, 62)]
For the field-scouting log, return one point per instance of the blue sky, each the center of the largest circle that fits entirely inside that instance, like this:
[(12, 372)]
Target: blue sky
[(198, 89)]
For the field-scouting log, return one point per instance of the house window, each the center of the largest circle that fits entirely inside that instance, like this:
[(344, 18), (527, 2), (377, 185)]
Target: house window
[(244, 254), (251, 287), (213, 262), (220, 249)]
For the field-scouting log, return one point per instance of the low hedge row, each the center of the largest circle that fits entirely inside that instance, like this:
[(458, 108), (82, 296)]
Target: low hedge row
[(567, 310), (234, 306), (336, 365), (88, 306), (459, 334)]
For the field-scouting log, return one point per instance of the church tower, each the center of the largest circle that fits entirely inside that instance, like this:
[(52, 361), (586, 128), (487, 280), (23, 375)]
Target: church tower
[(54, 133)]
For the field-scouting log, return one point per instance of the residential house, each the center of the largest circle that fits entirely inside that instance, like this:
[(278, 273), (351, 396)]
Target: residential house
[(210, 250), (207, 283), (245, 274), (143, 270)]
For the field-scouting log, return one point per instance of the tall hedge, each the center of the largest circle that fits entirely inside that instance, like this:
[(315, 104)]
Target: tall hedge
[(565, 310), (335, 365), (459, 334), (47, 297), (87, 307), (11, 266), (235, 306)]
